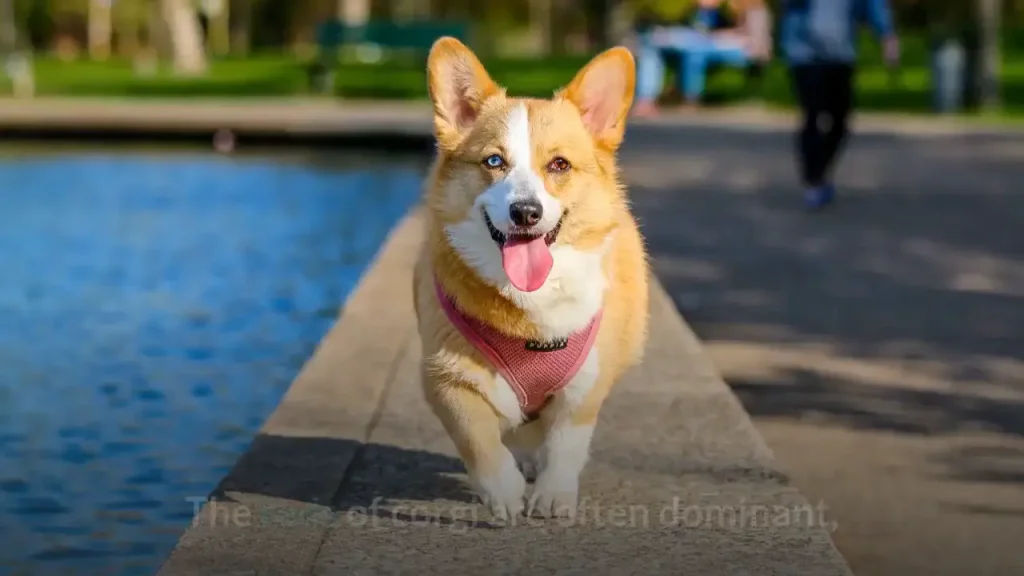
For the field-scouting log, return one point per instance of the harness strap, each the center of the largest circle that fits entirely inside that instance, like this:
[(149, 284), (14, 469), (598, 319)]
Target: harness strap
[(530, 355)]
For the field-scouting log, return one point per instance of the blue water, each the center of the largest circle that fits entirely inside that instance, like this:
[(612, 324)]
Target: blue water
[(153, 310)]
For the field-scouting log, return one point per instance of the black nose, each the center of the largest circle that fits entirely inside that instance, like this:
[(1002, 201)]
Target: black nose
[(525, 212)]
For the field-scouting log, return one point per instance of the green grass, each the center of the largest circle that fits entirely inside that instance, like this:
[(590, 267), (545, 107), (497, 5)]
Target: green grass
[(279, 76), (264, 76), (404, 78)]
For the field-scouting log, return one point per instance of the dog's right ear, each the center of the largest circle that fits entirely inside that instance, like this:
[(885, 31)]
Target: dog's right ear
[(458, 86)]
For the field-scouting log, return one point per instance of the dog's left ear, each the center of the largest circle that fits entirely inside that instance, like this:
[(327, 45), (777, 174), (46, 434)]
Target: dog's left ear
[(603, 93)]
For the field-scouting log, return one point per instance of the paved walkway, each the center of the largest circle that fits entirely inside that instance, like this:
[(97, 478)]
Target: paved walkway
[(293, 117), (879, 346), (334, 118), (353, 474)]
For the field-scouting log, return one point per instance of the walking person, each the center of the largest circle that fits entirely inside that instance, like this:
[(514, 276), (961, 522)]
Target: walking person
[(819, 42)]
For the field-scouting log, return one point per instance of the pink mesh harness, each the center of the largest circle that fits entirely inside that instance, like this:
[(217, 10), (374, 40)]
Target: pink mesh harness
[(535, 370)]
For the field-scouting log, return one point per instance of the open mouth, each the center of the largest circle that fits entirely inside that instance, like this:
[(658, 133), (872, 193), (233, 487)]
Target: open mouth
[(500, 237)]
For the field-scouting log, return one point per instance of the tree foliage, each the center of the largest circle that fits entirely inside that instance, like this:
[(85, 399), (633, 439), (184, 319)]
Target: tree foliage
[(277, 24)]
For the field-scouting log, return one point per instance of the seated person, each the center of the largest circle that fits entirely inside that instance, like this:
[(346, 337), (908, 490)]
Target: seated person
[(708, 16), (753, 31), (713, 38)]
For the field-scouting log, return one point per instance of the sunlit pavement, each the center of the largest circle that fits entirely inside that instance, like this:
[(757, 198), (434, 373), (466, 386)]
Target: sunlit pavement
[(879, 345)]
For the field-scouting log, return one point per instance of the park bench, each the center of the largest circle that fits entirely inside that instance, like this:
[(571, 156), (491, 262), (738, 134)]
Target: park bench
[(415, 36), (695, 59)]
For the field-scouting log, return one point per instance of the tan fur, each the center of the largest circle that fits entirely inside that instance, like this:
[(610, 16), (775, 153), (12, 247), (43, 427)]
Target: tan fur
[(580, 125)]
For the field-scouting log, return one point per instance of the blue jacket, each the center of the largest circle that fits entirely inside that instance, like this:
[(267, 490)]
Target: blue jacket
[(826, 30)]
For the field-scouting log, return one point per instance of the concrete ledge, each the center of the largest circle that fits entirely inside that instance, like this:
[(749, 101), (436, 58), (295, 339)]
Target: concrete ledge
[(251, 121), (389, 124), (269, 515), (353, 474)]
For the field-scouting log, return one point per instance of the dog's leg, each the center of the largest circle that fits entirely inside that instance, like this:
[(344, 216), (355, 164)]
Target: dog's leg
[(569, 427), (565, 453), (476, 428)]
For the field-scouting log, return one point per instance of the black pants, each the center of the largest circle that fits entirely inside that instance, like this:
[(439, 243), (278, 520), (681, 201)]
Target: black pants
[(825, 93)]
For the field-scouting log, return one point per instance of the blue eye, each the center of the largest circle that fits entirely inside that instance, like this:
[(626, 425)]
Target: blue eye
[(494, 161)]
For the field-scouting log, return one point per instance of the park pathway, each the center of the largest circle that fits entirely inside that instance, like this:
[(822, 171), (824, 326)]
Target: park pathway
[(352, 474), (879, 346)]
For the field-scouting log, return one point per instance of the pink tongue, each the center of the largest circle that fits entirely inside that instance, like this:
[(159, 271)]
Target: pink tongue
[(527, 263)]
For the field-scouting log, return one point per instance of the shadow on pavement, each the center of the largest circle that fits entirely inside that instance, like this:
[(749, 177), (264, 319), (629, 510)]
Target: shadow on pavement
[(900, 309), (886, 408), (349, 476), (991, 464)]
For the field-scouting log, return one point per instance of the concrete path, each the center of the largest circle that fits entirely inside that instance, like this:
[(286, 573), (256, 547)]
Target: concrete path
[(354, 475), (249, 116), (330, 118), (879, 346)]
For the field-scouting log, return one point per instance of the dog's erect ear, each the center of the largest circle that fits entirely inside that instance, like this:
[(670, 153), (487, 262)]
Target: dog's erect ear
[(458, 86), (603, 93)]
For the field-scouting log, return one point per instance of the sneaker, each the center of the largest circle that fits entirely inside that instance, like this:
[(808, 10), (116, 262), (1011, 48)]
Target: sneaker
[(819, 196), (830, 192)]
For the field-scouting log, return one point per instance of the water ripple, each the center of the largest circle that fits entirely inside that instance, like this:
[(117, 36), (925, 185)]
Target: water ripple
[(153, 309)]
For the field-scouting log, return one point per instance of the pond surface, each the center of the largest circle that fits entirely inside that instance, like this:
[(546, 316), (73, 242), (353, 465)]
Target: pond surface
[(154, 307)]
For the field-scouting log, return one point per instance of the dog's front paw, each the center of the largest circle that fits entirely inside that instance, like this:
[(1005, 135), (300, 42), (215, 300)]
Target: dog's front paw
[(503, 493), (554, 497)]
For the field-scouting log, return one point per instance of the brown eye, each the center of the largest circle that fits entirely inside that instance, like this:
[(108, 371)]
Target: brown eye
[(559, 164)]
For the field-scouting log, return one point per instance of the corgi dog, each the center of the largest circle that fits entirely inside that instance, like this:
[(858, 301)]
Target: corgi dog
[(531, 291)]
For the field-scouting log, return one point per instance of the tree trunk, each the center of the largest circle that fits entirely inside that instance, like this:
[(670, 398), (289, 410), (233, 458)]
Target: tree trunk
[(8, 32), (16, 66), (185, 36), (540, 23), (218, 16), (559, 28), (405, 10), (620, 22), (100, 29), (241, 27), (354, 12), (598, 16), (126, 29), (989, 14)]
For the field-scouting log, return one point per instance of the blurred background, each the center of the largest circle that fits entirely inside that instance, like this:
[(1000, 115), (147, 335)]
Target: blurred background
[(157, 299), (374, 48)]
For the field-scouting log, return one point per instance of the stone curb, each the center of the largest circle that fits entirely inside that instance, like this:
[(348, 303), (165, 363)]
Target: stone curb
[(359, 122), (331, 405)]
